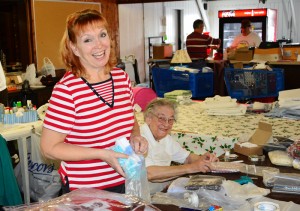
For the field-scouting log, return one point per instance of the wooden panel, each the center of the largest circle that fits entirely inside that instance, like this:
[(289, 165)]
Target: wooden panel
[(38, 97), (13, 36), (49, 22), (109, 9)]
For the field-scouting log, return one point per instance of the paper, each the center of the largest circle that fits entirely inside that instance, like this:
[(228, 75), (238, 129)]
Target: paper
[(2, 78)]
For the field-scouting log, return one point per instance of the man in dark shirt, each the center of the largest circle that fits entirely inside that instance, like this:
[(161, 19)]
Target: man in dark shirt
[(197, 44)]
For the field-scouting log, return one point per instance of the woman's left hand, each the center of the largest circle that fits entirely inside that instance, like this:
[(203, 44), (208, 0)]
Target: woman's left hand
[(139, 144)]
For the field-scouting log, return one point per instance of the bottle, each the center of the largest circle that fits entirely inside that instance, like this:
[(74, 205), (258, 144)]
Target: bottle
[(14, 109), (227, 155), (19, 104), (29, 104)]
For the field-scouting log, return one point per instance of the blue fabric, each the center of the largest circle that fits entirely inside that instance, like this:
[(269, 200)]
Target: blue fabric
[(9, 191)]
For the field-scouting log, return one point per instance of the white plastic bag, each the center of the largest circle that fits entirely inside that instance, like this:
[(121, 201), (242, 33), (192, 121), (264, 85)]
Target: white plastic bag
[(48, 67), (30, 74), (90, 199), (44, 180)]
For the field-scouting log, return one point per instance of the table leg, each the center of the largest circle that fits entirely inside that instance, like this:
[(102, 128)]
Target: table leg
[(22, 145), (151, 84), (219, 83)]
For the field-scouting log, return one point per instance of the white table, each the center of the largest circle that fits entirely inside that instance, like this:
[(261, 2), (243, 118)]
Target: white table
[(21, 132)]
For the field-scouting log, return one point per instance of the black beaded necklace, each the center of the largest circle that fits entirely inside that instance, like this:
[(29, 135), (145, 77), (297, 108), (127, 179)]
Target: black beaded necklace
[(99, 96)]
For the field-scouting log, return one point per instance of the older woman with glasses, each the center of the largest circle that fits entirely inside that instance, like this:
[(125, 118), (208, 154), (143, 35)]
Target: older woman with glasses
[(159, 116)]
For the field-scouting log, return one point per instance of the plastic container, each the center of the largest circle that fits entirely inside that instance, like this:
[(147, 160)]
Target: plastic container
[(28, 116), (167, 80), (250, 84)]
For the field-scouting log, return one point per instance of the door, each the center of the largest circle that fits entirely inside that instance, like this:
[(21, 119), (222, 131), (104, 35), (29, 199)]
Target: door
[(229, 28)]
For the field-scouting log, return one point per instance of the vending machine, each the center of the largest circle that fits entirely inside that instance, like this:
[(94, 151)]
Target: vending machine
[(264, 22)]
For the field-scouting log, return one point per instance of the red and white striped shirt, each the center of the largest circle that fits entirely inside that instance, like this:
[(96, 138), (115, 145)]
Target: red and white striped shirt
[(77, 111)]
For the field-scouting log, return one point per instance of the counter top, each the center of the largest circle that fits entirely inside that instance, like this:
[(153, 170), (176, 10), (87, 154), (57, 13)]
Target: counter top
[(209, 60), (31, 87), (159, 60), (284, 62), (279, 62)]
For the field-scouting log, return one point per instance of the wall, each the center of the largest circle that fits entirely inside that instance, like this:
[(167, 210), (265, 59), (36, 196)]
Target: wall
[(109, 9), (14, 37), (132, 37)]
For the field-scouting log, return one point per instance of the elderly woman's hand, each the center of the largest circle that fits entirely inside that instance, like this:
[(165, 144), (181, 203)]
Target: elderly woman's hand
[(210, 157), (139, 144), (200, 166)]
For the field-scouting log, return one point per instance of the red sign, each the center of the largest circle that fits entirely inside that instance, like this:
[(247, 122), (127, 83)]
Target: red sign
[(242, 13)]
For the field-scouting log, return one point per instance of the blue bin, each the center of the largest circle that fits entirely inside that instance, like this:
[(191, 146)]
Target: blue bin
[(167, 80), (249, 84)]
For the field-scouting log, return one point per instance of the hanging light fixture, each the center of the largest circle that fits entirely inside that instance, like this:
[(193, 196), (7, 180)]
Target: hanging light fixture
[(262, 1)]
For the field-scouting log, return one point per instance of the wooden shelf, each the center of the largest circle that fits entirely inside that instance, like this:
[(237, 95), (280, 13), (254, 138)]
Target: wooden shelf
[(38, 96)]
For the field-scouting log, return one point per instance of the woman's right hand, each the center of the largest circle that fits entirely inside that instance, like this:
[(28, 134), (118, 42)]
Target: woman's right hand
[(111, 158)]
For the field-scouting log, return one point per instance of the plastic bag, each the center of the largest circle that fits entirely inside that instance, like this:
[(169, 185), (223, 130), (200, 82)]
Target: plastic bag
[(183, 200), (209, 182), (90, 199), (48, 67), (30, 74), (294, 150), (136, 182), (230, 196), (44, 180)]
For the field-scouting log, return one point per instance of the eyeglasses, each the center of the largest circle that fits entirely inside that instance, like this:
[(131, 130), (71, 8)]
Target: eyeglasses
[(165, 120)]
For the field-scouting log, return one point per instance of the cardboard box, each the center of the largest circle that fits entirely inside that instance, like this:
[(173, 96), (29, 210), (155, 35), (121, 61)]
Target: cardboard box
[(162, 51), (16, 79), (238, 65), (243, 54), (290, 52), (261, 136), (271, 54)]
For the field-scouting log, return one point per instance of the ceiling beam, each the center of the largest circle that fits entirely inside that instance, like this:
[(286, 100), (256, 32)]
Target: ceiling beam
[(142, 1)]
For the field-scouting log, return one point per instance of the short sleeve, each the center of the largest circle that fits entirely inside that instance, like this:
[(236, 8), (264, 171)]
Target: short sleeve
[(128, 84), (179, 154), (60, 115)]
